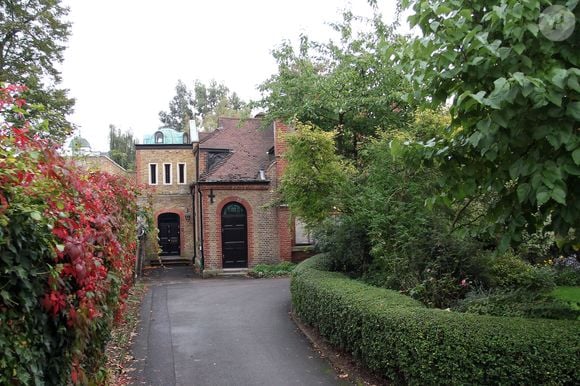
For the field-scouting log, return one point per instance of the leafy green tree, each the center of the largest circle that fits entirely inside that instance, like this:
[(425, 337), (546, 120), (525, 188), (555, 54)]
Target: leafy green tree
[(122, 147), (214, 101), (180, 108), (316, 179), (347, 86), (515, 104), (33, 34), (205, 104)]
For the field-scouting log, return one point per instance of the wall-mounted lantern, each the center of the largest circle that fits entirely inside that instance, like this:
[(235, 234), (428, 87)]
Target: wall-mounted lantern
[(188, 215)]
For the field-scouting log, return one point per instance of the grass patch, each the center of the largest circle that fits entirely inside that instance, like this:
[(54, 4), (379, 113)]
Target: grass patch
[(119, 346), (569, 294), (272, 270)]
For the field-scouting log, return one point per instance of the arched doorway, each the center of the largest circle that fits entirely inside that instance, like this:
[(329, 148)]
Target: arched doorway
[(169, 237), (234, 236)]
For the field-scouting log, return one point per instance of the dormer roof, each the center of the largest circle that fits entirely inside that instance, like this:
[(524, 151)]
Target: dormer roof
[(166, 136)]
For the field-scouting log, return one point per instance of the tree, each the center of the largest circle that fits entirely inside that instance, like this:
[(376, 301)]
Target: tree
[(347, 86), (32, 41), (514, 88), (122, 145), (316, 179), (205, 104), (180, 108), (214, 101)]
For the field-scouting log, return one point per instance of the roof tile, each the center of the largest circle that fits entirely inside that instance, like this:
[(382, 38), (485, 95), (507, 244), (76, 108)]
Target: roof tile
[(248, 144)]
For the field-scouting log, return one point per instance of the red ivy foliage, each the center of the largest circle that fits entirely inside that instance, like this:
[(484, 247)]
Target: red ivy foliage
[(83, 229)]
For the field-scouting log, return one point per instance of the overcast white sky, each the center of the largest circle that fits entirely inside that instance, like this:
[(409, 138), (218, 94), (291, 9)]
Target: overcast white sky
[(125, 56)]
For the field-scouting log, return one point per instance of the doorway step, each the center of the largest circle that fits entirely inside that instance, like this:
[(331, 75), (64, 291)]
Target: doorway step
[(173, 261), (233, 272)]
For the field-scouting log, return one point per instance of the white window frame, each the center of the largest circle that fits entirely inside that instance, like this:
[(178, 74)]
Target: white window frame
[(156, 174), (184, 173), (170, 174)]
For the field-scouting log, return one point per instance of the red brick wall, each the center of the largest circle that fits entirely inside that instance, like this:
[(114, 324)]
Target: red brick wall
[(263, 245), (285, 222)]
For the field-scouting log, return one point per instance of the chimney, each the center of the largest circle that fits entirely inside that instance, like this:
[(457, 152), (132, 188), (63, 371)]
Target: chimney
[(193, 133)]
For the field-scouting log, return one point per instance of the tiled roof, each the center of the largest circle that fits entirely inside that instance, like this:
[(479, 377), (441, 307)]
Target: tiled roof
[(248, 144)]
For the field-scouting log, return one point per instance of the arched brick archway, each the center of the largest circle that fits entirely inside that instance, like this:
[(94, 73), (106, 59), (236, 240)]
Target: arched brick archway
[(249, 226), (164, 214)]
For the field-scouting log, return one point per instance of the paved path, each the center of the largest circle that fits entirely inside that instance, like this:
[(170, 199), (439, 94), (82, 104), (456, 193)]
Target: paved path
[(223, 332)]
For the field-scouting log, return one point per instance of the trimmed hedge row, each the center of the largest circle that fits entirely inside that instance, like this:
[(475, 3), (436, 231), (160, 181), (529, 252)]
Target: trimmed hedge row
[(407, 343)]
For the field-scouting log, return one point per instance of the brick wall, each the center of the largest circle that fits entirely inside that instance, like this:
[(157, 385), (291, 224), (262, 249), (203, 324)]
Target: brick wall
[(262, 220), (170, 198), (285, 221), (161, 156), (102, 163)]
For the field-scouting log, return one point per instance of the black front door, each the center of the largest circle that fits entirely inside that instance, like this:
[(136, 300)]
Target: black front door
[(168, 224), (234, 236)]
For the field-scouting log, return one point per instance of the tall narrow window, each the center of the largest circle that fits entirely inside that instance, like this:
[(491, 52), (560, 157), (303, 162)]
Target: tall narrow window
[(152, 174), (167, 174), (181, 173)]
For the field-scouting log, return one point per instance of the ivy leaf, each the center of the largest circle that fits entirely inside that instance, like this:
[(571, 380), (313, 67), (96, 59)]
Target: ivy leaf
[(36, 216)]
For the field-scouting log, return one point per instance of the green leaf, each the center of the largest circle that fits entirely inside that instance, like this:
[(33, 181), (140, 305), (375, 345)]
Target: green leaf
[(504, 243), (475, 138), (533, 28), (542, 196), (519, 48), (574, 110), (523, 191), (478, 97), (36, 216), (555, 97), (559, 195), (576, 156), (573, 83), (559, 76)]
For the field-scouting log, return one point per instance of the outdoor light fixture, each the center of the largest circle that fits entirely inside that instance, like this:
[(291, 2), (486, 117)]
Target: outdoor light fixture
[(188, 216)]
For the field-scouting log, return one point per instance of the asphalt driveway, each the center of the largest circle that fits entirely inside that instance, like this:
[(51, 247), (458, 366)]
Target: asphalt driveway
[(223, 332)]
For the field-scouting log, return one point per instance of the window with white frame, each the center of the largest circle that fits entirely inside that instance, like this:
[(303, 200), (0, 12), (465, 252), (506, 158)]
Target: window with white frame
[(167, 178), (152, 174), (181, 173)]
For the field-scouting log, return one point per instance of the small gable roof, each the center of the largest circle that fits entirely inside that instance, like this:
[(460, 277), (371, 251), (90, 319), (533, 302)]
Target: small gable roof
[(247, 143)]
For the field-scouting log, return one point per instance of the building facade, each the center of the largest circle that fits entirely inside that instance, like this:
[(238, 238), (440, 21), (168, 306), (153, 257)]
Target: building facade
[(215, 198)]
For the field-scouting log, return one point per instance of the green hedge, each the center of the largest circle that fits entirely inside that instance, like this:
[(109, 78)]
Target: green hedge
[(407, 343)]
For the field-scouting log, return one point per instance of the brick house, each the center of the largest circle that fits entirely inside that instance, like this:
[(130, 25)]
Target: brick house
[(215, 198)]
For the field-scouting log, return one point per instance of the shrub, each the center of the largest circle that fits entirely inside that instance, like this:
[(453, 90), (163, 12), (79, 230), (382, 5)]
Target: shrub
[(409, 344), (520, 303), (67, 248), (510, 272), (272, 270), (345, 242)]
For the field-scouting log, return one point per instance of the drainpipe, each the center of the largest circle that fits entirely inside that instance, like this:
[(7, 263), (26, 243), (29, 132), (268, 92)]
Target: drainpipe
[(200, 203), (194, 217), (196, 190)]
